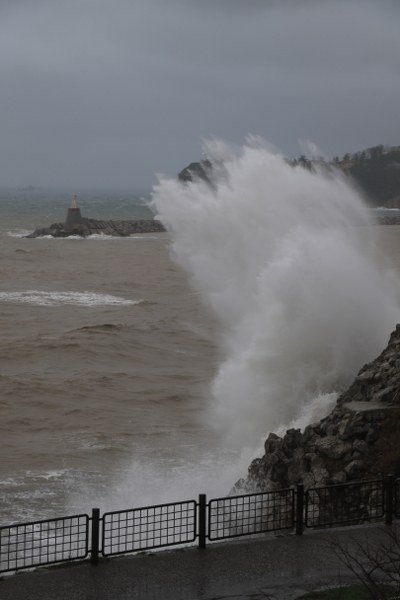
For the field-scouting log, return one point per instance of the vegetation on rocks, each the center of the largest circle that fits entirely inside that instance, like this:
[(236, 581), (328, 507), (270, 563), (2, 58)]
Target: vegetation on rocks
[(375, 170)]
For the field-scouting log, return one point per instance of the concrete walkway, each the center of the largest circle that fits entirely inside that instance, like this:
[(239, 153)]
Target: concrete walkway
[(272, 567)]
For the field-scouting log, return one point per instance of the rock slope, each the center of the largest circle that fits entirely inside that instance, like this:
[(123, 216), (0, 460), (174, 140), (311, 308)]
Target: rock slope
[(359, 439)]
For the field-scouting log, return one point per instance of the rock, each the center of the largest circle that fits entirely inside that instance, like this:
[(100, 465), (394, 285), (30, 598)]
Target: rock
[(345, 429), (197, 170), (330, 447), (291, 440), (272, 443), (371, 437), (308, 434), (320, 475), (354, 469), (360, 447), (339, 477), (384, 395), (332, 429), (366, 376)]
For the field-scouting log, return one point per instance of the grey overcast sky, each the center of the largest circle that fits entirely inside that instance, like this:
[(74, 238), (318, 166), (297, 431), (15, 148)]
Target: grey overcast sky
[(106, 93)]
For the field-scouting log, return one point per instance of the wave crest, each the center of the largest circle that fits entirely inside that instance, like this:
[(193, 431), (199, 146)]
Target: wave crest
[(54, 298)]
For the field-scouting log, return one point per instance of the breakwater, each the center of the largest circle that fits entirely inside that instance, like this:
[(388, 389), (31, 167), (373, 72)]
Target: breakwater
[(86, 227)]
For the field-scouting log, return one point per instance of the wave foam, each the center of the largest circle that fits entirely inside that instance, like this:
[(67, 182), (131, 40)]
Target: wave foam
[(18, 234), (95, 236), (42, 298)]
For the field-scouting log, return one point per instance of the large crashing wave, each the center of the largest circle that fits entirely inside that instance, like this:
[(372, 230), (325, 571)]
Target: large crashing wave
[(284, 256)]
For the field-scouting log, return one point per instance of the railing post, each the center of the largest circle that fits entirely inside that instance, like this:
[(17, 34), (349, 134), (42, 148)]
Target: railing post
[(299, 509), (94, 549), (202, 521), (388, 484)]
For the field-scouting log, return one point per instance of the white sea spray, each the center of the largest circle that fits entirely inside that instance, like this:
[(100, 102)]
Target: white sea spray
[(286, 259)]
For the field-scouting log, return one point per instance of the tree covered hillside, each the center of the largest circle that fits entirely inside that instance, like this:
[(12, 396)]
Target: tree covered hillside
[(377, 171)]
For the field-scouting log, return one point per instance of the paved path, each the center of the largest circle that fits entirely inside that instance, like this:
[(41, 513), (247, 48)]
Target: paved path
[(275, 568)]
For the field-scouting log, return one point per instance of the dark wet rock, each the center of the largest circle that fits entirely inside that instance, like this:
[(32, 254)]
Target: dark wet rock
[(197, 170), (331, 447), (354, 469), (360, 447), (384, 395), (338, 478), (366, 376)]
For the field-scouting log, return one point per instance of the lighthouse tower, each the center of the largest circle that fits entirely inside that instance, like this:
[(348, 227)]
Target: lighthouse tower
[(74, 216)]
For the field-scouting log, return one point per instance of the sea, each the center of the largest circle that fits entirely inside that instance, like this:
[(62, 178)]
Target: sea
[(106, 359), (108, 362)]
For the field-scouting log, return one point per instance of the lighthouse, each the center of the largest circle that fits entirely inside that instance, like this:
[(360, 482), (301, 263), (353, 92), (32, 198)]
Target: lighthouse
[(74, 216)]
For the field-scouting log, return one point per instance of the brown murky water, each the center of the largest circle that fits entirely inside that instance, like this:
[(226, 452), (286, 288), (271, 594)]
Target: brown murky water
[(106, 354), (106, 361)]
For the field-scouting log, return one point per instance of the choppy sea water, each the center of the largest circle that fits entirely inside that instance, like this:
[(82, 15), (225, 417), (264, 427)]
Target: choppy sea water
[(106, 362), (106, 356)]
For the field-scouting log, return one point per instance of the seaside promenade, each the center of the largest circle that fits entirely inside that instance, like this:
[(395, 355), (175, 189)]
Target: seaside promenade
[(274, 567)]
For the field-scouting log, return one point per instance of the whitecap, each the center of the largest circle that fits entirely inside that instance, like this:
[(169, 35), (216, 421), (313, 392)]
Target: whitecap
[(95, 236), (104, 236), (18, 234), (54, 298), (385, 209)]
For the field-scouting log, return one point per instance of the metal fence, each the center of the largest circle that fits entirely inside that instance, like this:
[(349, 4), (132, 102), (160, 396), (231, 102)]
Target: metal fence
[(250, 513), (28, 545), (347, 503), (396, 506), (149, 527), (43, 542)]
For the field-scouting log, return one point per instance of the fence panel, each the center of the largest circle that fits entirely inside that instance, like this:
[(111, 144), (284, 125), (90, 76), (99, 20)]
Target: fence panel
[(45, 542), (149, 527), (250, 513), (348, 503)]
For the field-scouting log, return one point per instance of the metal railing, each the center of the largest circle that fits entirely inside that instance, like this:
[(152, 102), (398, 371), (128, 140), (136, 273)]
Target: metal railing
[(396, 498), (28, 545), (342, 504), (250, 513), (45, 542), (149, 527)]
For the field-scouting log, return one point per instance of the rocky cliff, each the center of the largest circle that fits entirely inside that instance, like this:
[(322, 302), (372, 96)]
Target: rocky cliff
[(359, 439), (92, 226), (197, 170)]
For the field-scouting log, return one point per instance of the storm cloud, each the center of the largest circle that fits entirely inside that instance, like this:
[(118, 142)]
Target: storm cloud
[(106, 93)]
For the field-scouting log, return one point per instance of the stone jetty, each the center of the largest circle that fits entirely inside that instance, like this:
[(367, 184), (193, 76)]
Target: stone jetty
[(75, 224), (88, 227)]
